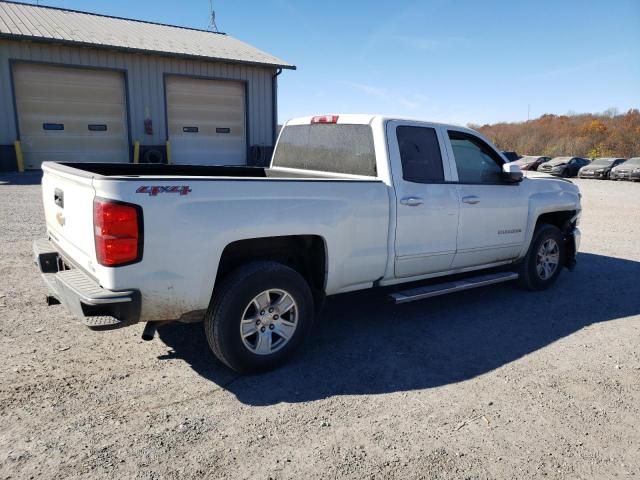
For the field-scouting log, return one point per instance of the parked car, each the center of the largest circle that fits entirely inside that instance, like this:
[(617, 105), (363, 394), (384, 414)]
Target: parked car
[(563, 166), (511, 156), (531, 162), (629, 170), (347, 204), (600, 168)]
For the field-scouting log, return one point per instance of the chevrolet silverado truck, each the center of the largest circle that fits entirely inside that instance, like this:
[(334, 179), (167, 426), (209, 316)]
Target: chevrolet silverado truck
[(349, 202)]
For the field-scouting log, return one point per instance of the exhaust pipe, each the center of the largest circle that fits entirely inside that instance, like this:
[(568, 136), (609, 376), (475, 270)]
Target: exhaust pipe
[(149, 331)]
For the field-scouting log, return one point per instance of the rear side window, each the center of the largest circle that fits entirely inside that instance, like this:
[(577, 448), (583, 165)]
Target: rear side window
[(338, 148), (420, 154)]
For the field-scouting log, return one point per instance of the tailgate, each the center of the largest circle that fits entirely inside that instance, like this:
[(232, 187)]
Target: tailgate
[(67, 196)]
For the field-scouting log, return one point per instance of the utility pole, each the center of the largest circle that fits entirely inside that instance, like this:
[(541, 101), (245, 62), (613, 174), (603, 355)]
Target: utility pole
[(528, 111)]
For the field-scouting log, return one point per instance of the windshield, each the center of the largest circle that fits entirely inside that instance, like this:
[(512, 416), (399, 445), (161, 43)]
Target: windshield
[(632, 162), (602, 162), (527, 159), (559, 160), (337, 148)]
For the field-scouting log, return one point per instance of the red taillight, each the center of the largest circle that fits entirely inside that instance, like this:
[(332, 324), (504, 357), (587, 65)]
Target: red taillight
[(118, 232), (325, 119)]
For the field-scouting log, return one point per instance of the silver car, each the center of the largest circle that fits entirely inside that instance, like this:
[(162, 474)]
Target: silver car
[(629, 170)]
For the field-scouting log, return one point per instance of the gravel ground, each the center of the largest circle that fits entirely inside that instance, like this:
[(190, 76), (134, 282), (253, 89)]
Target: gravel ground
[(491, 383)]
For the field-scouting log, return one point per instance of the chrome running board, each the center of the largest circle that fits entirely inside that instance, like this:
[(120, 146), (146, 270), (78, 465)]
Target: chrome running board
[(420, 293)]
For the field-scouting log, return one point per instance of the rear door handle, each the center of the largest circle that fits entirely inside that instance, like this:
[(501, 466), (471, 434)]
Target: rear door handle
[(471, 199), (412, 201)]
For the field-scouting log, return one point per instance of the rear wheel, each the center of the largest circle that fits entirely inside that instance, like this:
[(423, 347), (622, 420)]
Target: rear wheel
[(258, 316), (543, 263)]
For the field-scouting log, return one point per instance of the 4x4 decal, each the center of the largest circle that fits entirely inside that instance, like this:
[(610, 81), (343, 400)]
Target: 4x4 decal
[(154, 190)]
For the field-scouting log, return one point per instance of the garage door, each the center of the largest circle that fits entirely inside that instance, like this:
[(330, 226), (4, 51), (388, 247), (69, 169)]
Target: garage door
[(206, 121), (70, 114)]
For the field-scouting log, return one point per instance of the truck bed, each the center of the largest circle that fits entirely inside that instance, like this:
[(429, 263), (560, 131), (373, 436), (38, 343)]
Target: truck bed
[(135, 170), (185, 235)]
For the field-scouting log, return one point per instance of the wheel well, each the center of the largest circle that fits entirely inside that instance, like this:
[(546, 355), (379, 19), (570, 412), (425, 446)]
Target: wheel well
[(304, 253), (559, 219)]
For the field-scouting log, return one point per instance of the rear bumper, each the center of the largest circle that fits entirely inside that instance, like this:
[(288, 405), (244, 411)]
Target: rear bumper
[(82, 295)]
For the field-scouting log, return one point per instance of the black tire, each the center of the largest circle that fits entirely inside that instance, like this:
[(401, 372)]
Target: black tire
[(529, 278), (232, 297)]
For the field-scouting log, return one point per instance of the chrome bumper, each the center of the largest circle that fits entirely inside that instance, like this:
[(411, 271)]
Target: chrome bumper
[(97, 307)]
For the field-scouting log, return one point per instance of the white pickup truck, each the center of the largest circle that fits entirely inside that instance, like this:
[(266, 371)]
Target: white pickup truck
[(349, 202)]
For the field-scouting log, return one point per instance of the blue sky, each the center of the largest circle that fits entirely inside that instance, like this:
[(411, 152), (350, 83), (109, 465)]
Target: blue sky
[(453, 61)]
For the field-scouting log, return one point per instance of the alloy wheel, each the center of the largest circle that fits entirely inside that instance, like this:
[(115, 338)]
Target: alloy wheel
[(269, 321), (547, 259)]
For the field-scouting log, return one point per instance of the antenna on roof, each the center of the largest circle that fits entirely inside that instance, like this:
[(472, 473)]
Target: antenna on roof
[(212, 22)]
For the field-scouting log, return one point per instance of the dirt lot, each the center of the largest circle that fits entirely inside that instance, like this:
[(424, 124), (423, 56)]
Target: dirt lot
[(493, 383)]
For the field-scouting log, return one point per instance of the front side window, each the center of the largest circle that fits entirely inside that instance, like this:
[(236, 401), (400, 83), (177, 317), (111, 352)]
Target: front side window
[(420, 154), (475, 160)]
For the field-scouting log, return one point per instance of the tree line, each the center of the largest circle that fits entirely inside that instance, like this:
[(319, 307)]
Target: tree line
[(589, 135)]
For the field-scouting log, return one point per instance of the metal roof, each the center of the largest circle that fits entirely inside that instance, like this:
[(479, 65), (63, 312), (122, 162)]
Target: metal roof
[(38, 23)]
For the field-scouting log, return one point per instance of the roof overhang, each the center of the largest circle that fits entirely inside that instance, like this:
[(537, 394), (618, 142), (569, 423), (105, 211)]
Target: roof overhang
[(162, 53)]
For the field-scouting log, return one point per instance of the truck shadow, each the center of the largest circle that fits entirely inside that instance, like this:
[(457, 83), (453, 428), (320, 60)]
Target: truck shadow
[(363, 344)]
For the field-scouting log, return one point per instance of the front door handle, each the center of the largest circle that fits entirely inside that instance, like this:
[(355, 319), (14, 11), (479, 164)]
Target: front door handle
[(412, 201), (471, 199)]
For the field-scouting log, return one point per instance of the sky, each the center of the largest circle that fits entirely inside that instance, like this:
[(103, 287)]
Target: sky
[(458, 61)]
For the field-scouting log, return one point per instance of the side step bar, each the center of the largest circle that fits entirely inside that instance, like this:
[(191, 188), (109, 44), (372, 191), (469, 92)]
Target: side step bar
[(420, 293)]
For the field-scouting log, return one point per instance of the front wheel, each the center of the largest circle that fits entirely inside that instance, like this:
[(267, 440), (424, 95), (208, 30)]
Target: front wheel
[(259, 314), (543, 263)]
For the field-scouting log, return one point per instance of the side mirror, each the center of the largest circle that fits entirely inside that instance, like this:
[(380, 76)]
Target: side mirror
[(511, 173)]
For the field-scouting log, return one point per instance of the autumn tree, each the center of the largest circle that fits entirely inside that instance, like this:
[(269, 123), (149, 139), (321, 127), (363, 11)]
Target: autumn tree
[(587, 135)]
